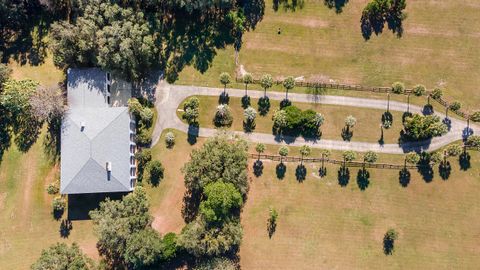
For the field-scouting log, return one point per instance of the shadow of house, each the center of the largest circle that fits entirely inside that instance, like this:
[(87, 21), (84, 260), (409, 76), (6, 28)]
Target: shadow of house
[(80, 205)]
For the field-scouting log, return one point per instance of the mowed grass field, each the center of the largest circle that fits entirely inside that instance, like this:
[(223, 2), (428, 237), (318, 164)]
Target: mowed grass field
[(367, 128), (439, 46)]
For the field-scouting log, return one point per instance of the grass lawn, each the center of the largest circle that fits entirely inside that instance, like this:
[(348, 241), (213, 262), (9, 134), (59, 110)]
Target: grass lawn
[(46, 74), (439, 46), (26, 223), (366, 130), (324, 226)]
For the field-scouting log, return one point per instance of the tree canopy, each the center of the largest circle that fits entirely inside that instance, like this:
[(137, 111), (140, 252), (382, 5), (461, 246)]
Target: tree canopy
[(424, 126), (62, 257), (222, 198)]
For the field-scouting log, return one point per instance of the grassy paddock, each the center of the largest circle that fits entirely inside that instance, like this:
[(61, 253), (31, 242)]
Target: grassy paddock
[(46, 74), (366, 130), (439, 46)]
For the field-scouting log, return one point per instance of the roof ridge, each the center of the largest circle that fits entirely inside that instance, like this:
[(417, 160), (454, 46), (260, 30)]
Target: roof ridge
[(85, 164), (111, 175)]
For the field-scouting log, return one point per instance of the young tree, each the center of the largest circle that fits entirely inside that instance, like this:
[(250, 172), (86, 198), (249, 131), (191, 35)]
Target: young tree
[(47, 104), (223, 116), (349, 155), (272, 221), (289, 84), (283, 152), (412, 158), (305, 151), (225, 79), (247, 79), (250, 114), (436, 93), (454, 150), (473, 140), (419, 90), (398, 88), (350, 122), (389, 240), (170, 139), (266, 82), (455, 106), (61, 256), (260, 148), (280, 120), (221, 199), (370, 157)]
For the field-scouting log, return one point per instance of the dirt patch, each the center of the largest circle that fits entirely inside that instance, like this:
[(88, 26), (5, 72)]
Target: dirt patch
[(309, 22), (31, 169)]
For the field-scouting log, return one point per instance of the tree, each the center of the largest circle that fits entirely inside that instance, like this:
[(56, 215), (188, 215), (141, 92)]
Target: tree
[(143, 249), (200, 240), (349, 155), (219, 159), (247, 79), (419, 90), (170, 139), (250, 114), (115, 221), (221, 199), (389, 240), (377, 12), (16, 96), (223, 116), (143, 157), (266, 82), (420, 127), (455, 106), (62, 257), (370, 157), (454, 150), (475, 117), (280, 120), (47, 104), (289, 84), (311, 122), (436, 93), (283, 152), (272, 221), (225, 79), (155, 172), (350, 122), (191, 111), (412, 158), (473, 140), (5, 72), (146, 115), (218, 263), (398, 88), (134, 106), (294, 117), (260, 148), (305, 151)]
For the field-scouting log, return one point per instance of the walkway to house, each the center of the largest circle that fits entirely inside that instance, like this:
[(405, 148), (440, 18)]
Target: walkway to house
[(169, 98)]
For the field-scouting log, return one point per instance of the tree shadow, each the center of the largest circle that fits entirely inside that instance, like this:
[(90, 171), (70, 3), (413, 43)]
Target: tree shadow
[(425, 168), (280, 170), (271, 228), (57, 214), (322, 172), (263, 105), (224, 98), (245, 101), (343, 176), (191, 203), (285, 103), (347, 134), (26, 130), (381, 140), (388, 246), (65, 228), (248, 126), (337, 4), (427, 109), (52, 142), (258, 168), (404, 177), (80, 205), (301, 173), (445, 169), (464, 161), (192, 133), (5, 135), (363, 179)]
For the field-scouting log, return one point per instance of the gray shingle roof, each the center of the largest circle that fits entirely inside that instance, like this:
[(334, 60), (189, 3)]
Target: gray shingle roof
[(105, 138)]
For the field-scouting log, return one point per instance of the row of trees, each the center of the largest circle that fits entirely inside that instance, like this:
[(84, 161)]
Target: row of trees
[(135, 37), (143, 113)]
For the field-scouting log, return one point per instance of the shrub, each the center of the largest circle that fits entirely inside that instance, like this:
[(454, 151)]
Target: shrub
[(412, 158), (349, 155), (436, 157), (280, 120), (398, 88), (294, 117), (419, 90), (424, 126), (191, 115), (250, 114), (59, 203), (455, 106), (170, 139), (223, 116), (475, 117), (454, 150), (146, 115), (143, 137), (437, 93), (53, 188), (474, 141), (155, 171), (134, 106), (370, 157)]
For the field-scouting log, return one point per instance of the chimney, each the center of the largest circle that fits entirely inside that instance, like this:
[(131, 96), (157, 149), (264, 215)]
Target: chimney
[(109, 166), (82, 126)]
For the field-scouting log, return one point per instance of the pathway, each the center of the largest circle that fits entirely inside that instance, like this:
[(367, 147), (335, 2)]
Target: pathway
[(170, 96)]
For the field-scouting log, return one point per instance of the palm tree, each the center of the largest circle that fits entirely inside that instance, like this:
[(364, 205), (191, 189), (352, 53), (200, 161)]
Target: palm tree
[(305, 151), (289, 84), (260, 148), (247, 79), (369, 157), (225, 79), (283, 152), (266, 82)]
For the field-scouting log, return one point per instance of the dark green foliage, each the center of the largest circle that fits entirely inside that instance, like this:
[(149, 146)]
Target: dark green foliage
[(116, 221), (169, 250), (379, 12), (216, 264), (437, 93), (475, 117), (5, 72), (134, 37), (298, 122), (419, 127), (143, 249), (294, 117), (337, 4), (455, 106), (62, 257), (155, 172), (272, 222), (221, 200), (143, 157)]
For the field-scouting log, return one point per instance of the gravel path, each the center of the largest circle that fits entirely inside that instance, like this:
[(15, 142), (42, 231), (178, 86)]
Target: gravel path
[(170, 96)]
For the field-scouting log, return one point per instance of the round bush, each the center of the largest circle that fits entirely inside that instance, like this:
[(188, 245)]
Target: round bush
[(398, 88), (192, 103), (191, 115), (437, 93), (419, 90), (223, 116), (59, 204), (455, 106), (146, 115), (134, 106), (250, 114), (170, 139), (53, 188), (280, 119), (475, 117)]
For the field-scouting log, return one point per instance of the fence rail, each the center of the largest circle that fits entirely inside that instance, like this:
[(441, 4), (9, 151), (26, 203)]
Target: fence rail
[(361, 88)]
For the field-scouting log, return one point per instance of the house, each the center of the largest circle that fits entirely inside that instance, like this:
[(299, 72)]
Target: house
[(97, 139)]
